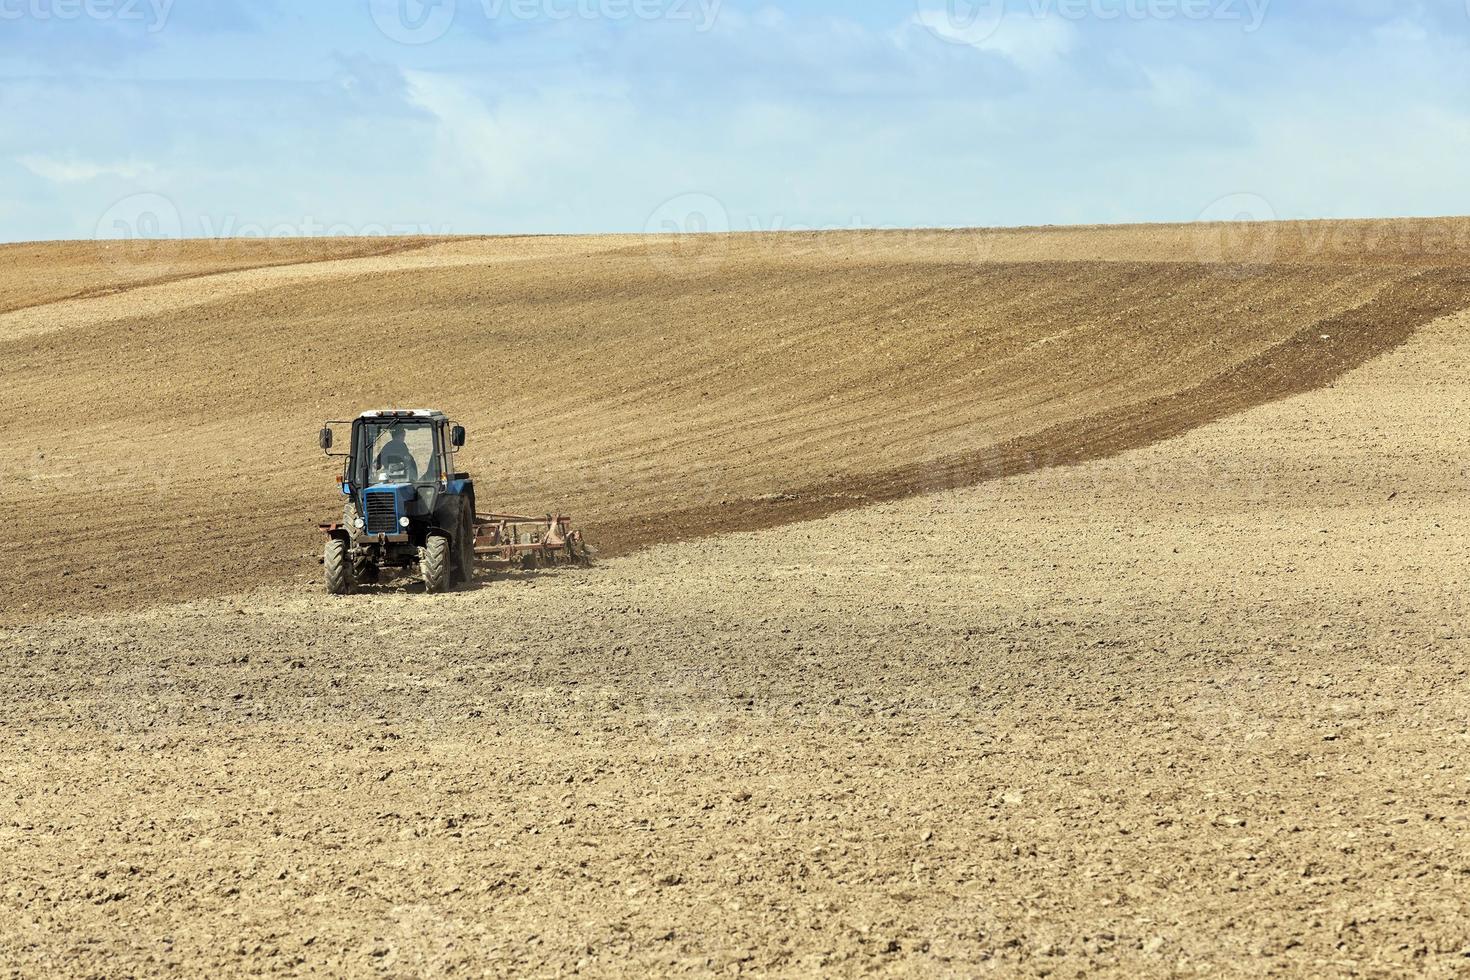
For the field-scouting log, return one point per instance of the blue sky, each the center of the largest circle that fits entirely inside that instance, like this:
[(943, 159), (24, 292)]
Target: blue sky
[(209, 117)]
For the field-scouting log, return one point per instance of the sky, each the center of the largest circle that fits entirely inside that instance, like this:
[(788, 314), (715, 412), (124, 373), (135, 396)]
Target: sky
[(205, 118)]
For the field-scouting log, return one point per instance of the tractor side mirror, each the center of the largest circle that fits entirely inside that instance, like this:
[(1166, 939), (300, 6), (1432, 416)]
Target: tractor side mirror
[(325, 438), (456, 437)]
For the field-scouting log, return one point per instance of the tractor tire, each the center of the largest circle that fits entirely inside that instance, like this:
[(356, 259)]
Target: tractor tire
[(365, 572), (438, 563), (337, 567), (466, 549)]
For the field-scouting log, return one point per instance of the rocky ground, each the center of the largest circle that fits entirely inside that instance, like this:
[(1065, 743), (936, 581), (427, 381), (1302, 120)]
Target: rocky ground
[(1198, 708)]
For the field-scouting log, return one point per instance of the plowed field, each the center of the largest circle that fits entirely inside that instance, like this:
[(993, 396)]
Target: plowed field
[(1054, 602), (161, 436)]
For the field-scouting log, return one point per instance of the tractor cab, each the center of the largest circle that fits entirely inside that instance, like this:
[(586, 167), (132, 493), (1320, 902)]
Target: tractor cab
[(399, 466)]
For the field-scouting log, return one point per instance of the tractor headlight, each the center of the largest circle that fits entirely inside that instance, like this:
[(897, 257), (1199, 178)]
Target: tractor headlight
[(359, 523), (403, 522)]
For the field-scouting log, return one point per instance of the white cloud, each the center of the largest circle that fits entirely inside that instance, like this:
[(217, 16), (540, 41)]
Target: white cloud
[(503, 145), (467, 127), (1031, 43), (1177, 87), (76, 171)]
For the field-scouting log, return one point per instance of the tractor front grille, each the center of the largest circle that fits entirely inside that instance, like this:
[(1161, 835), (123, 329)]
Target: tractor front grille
[(382, 514)]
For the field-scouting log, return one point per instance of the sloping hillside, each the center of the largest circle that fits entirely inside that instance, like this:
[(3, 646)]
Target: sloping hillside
[(161, 433)]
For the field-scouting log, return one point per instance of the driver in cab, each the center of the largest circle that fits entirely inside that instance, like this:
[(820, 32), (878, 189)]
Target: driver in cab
[(395, 461)]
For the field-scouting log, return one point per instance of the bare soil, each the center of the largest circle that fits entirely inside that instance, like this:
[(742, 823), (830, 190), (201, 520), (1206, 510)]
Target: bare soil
[(655, 389), (1187, 696)]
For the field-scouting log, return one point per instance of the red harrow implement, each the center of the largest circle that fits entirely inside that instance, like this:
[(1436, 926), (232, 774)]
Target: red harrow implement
[(508, 541)]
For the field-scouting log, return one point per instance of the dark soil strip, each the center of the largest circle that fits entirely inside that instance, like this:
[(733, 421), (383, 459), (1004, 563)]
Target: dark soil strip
[(1299, 364)]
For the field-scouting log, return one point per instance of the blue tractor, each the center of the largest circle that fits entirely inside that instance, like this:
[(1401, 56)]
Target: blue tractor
[(407, 506)]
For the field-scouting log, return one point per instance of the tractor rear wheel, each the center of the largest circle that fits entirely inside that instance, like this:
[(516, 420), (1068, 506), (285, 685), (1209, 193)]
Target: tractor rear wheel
[(337, 567), (438, 563), (466, 548)]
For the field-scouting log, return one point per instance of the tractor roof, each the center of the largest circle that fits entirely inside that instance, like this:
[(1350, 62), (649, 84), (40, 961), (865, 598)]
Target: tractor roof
[(403, 413)]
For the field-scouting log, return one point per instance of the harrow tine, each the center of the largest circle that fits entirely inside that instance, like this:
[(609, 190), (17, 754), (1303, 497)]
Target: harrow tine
[(511, 539)]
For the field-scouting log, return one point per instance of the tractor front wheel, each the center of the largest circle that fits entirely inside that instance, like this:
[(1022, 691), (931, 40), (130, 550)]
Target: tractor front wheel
[(337, 566), (365, 571), (438, 563)]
